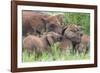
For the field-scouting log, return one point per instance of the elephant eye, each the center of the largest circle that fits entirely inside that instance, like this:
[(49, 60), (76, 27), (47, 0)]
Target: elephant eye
[(73, 30), (78, 29)]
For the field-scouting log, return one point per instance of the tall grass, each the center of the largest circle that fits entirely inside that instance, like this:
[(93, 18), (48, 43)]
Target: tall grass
[(54, 55)]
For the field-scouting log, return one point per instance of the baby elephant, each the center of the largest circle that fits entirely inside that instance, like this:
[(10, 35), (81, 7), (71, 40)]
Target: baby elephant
[(39, 45), (65, 45), (72, 32), (84, 46)]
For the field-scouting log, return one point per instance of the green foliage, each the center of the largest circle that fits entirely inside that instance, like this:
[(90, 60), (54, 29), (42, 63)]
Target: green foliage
[(82, 19)]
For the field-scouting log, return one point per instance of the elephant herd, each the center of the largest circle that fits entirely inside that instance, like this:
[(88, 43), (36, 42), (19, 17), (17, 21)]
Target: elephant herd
[(41, 30)]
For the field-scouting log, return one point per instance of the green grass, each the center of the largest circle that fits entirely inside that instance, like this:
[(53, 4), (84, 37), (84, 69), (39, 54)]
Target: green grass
[(54, 55)]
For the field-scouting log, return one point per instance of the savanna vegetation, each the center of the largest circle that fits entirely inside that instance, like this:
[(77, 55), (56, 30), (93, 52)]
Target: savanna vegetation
[(82, 19)]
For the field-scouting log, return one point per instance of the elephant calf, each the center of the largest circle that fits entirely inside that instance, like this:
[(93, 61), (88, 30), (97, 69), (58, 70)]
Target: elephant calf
[(84, 45), (65, 45), (73, 33), (40, 44)]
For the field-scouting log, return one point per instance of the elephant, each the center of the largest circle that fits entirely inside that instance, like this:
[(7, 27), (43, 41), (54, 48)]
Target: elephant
[(37, 23), (84, 45), (40, 44)]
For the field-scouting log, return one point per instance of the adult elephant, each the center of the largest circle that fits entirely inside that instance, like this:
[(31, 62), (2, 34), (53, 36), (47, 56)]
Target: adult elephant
[(39, 22)]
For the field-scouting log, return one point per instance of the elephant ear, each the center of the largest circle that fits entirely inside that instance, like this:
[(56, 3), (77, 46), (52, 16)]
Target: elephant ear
[(45, 21), (50, 40), (64, 28)]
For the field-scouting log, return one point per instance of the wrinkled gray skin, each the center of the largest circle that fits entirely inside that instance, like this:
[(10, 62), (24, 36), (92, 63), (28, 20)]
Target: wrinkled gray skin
[(40, 44), (37, 23), (75, 37), (54, 27), (54, 23), (73, 32), (33, 23), (65, 45)]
